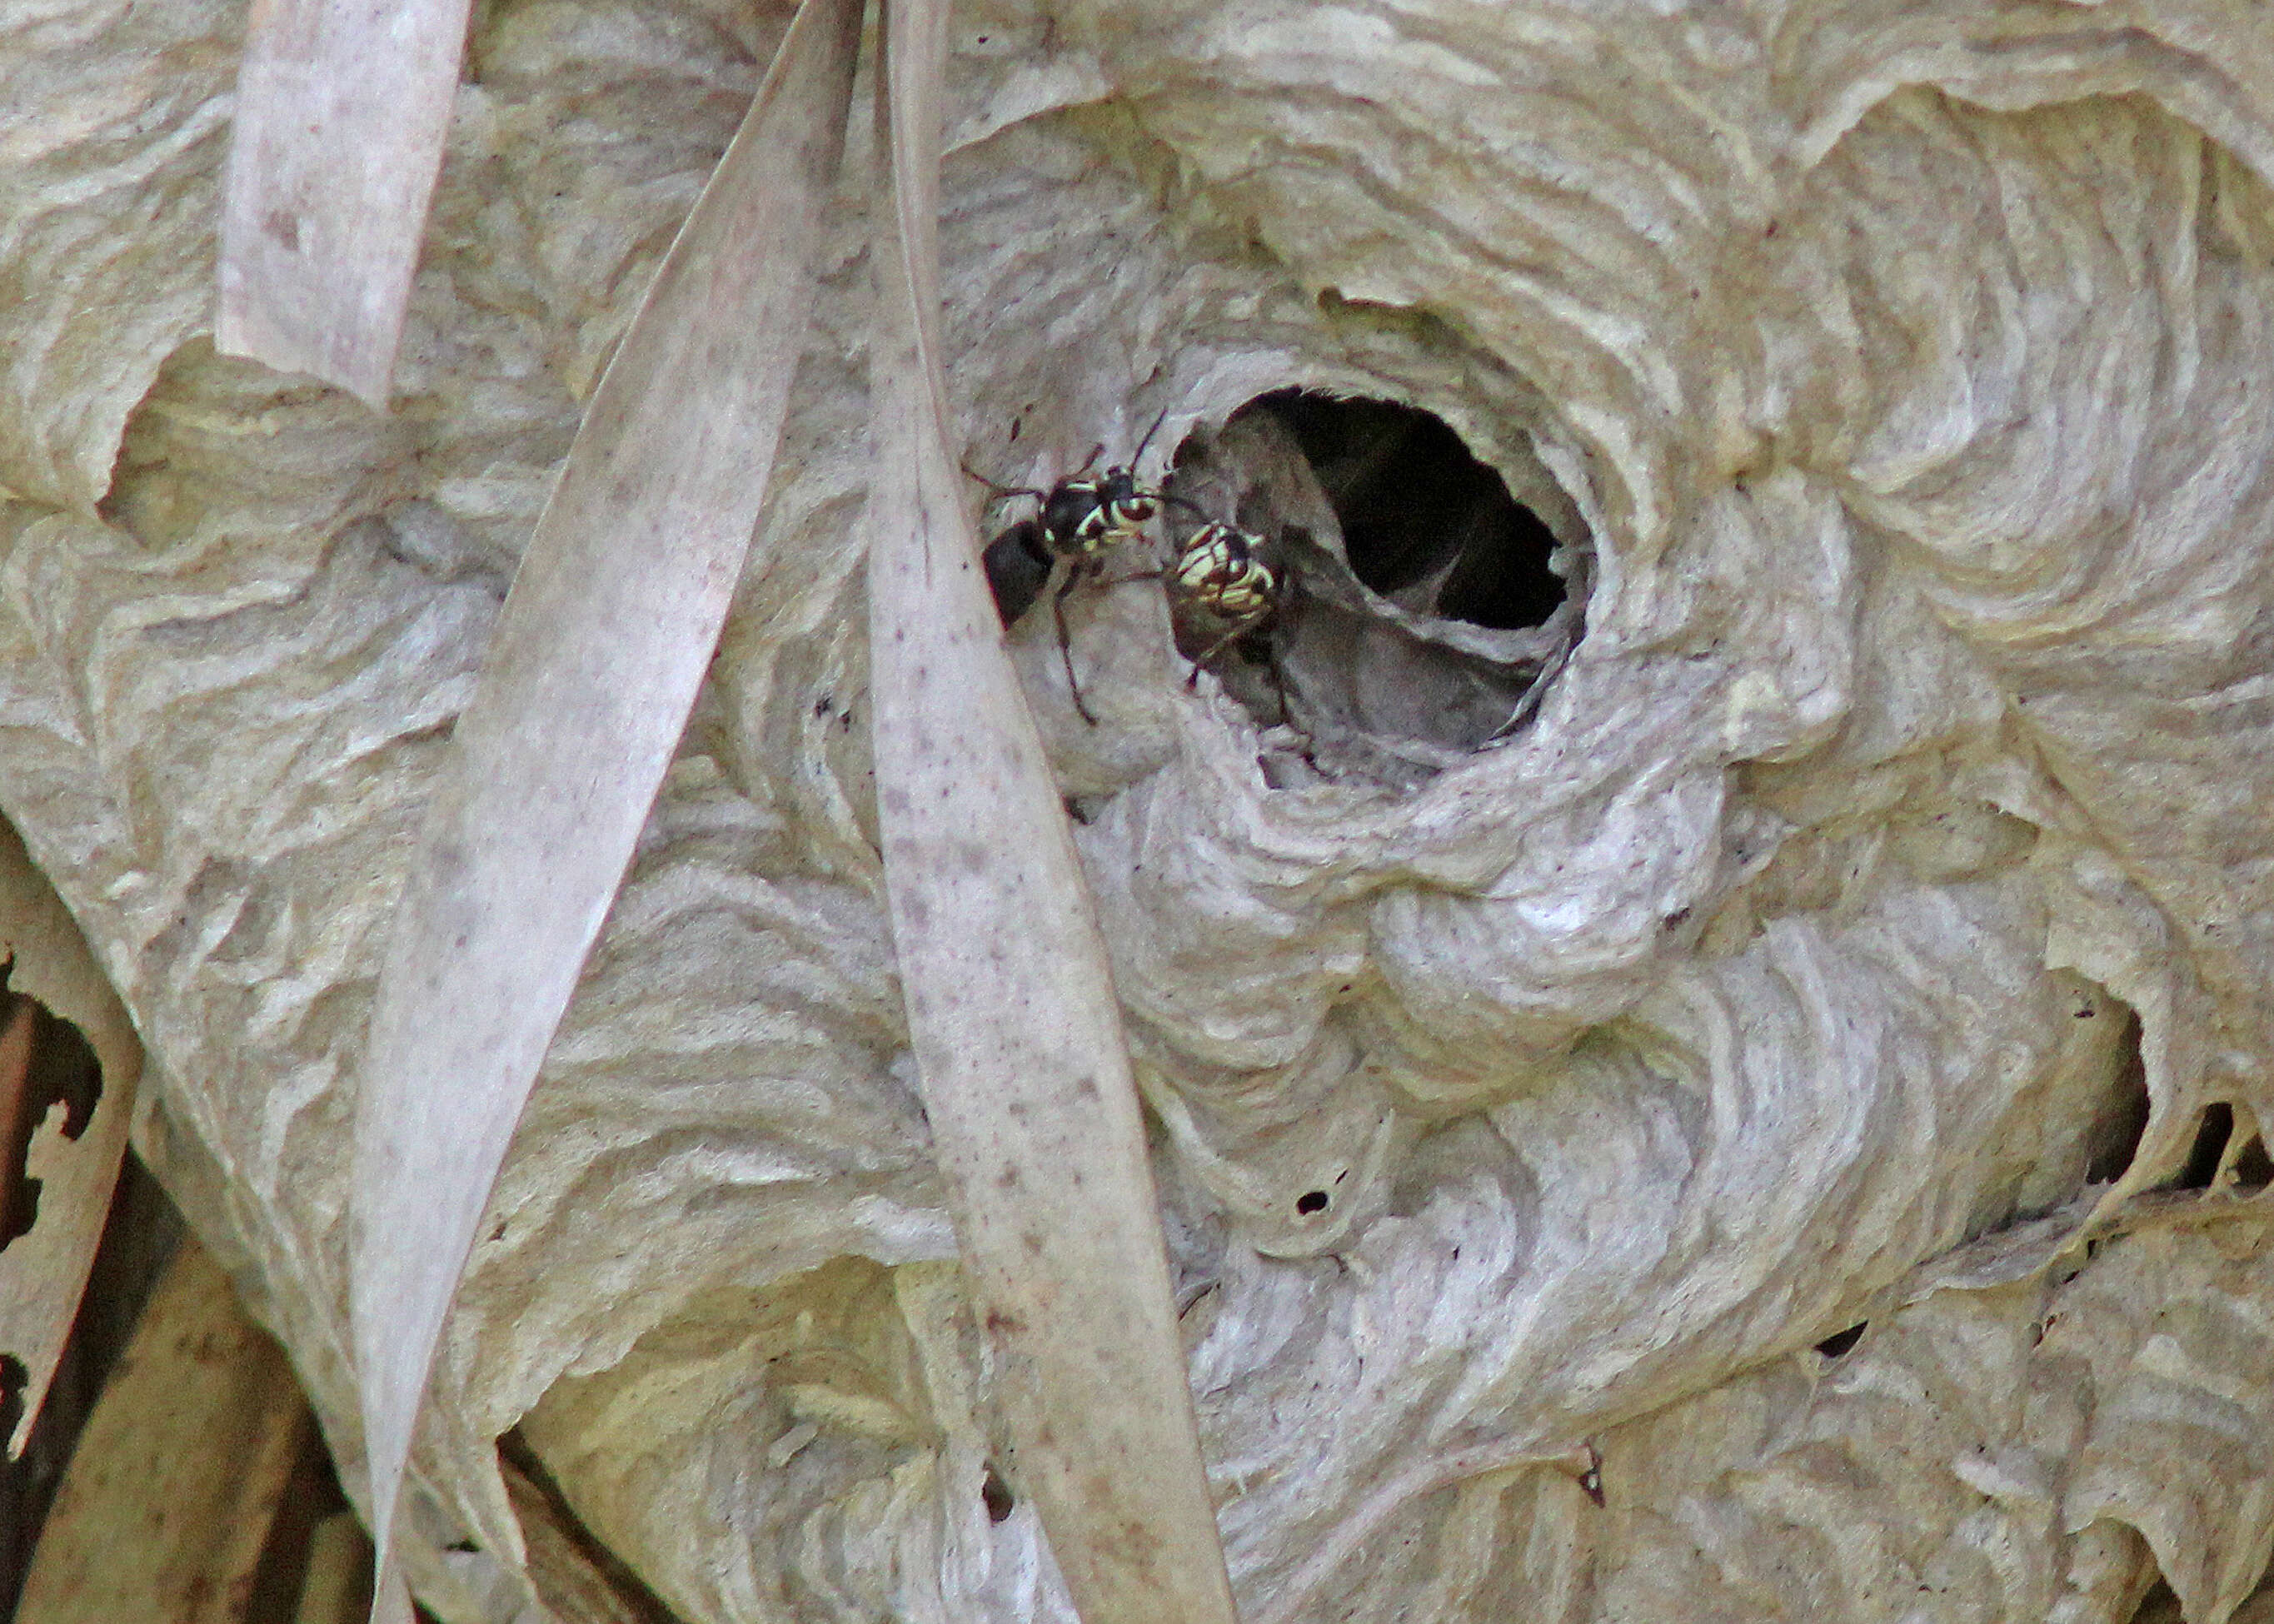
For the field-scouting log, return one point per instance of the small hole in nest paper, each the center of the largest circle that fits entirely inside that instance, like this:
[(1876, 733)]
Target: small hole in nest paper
[(2212, 1132), (1840, 1342), (2123, 1119), (996, 1495), (1311, 1201), (2209, 1166)]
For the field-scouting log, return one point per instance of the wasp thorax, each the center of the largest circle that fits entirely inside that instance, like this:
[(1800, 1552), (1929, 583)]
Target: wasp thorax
[(1094, 512)]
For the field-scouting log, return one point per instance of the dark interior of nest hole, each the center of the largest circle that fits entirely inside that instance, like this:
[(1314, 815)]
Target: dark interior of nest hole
[(2123, 1118), (2253, 1170), (1415, 505)]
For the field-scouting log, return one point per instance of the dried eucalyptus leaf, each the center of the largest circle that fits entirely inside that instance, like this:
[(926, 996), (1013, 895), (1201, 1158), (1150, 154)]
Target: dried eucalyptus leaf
[(43, 1271), (584, 691), (341, 113), (1010, 1014), (186, 1460)]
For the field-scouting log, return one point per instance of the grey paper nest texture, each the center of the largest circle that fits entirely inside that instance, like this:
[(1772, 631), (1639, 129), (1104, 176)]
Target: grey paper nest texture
[(1868, 891)]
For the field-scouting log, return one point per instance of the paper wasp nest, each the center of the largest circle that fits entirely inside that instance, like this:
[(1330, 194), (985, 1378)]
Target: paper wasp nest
[(1795, 932)]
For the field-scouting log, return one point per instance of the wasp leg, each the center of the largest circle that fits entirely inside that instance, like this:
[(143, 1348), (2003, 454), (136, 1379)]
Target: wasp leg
[(1200, 661), (1073, 577), (999, 491), (1308, 746)]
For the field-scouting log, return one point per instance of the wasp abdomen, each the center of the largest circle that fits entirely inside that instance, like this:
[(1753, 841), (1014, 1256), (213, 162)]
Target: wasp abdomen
[(1018, 563)]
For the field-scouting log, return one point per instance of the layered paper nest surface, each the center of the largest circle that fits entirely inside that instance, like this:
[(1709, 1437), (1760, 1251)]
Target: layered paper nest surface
[(1895, 837)]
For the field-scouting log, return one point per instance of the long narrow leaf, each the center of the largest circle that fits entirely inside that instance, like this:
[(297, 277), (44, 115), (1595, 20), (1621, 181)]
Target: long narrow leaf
[(588, 680), (43, 1271), (183, 1464), (1017, 1034), (341, 109)]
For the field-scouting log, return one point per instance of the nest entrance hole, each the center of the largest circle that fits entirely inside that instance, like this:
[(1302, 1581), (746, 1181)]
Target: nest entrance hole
[(1417, 506)]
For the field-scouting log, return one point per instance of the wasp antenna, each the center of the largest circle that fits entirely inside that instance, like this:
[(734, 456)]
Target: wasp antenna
[(1139, 457), (1206, 657), (1189, 506)]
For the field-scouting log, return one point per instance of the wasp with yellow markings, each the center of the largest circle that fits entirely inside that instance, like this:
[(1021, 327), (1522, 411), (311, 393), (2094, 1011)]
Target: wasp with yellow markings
[(1080, 519), (1220, 580)]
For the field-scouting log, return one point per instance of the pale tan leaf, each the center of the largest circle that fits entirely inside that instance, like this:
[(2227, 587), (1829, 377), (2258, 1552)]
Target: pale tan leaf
[(341, 114), (1011, 1011), (593, 666), (43, 1271), (165, 1509)]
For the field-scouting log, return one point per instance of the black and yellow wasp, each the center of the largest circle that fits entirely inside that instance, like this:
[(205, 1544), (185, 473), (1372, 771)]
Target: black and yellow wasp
[(1218, 578)]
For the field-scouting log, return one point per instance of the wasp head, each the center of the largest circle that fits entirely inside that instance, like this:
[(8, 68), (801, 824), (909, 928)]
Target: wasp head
[(1217, 570)]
